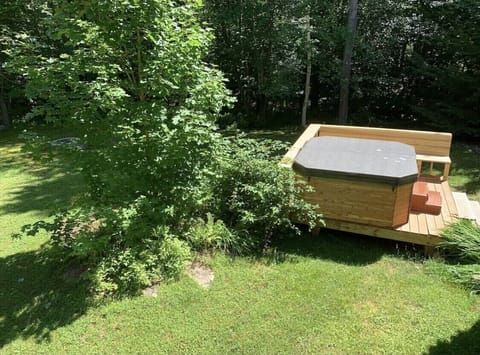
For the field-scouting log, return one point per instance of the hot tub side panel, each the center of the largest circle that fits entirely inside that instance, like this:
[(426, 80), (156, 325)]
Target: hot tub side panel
[(402, 204), (359, 202)]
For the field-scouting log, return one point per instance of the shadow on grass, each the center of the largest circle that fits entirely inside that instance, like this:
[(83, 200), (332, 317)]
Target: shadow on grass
[(34, 297), (465, 343), (45, 193), (340, 247)]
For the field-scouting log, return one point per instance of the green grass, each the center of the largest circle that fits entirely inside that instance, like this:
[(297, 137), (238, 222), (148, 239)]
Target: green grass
[(333, 294), (465, 173)]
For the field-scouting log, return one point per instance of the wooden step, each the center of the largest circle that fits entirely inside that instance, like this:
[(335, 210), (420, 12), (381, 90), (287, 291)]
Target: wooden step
[(476, 210), (419, 196), (434, 203), (464, 208), (420, 188)]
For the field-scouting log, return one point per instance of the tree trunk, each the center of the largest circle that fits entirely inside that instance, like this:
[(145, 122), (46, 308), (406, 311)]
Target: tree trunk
[(309, 72), (4, 116), (347, 61)]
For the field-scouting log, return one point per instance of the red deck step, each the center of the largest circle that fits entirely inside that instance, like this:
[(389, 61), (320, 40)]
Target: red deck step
[(434, 203), (425, 201), (419, 196)]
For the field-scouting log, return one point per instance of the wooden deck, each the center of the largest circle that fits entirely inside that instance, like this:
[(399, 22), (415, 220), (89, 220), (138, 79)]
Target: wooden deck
[(421, 228), (424, 229)]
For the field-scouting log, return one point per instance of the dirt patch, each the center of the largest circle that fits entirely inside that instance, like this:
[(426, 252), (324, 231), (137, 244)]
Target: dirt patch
[(201, 273)]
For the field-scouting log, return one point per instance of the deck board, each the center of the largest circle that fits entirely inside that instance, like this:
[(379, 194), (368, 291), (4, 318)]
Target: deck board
[(463, 205), (476, 210), (413, 222), (422, 228), (449, 200)]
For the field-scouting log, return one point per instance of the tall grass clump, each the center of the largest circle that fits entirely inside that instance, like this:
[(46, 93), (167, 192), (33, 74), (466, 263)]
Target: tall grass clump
[(462, 242), (461, 255)]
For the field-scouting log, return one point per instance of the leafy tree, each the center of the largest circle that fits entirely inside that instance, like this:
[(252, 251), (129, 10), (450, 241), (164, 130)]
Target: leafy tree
[(130, 79), (446, 62), (18, 19), (258, 47)]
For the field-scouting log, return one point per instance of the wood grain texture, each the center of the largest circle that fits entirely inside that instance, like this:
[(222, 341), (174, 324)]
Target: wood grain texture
[(426, 143), (363, 218)]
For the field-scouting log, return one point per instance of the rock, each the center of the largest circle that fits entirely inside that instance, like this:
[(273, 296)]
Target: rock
[(202, 274), (151, 291)]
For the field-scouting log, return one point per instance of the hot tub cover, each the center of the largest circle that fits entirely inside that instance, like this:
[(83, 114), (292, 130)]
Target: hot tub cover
[(358, 159)]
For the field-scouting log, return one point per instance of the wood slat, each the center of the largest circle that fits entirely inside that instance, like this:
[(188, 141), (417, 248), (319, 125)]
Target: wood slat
[(394, 234), (449, 200), (431, 226), (476, 211), (445, 213), (422, 224), (463, 206), (289, 157), (426, 143), (413, 223), (434, 159)]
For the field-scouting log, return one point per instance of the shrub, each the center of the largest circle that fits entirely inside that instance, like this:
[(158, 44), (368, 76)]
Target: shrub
[(255, 197), (172, 255), (211, 234), (119, 273)]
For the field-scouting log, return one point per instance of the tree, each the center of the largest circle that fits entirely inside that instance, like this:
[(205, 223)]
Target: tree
[(18, 19), (347, 61), (129, 77), (308, 75)]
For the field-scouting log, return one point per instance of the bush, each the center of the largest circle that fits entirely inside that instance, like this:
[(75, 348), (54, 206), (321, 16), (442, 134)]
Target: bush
[(256, 198), (171, 256), (119, 273), (211, 234)]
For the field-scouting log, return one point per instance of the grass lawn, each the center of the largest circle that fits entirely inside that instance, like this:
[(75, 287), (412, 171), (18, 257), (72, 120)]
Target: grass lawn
[(333, 294)]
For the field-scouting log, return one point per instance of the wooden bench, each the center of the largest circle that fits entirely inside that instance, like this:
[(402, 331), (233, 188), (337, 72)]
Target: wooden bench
[(431, 147)]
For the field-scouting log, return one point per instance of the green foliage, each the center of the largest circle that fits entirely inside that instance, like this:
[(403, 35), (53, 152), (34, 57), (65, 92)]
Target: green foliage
[(256, 197), (447, 60), (172, 255), (121, 248), (119, 273), (462, 242), (211, 234), (415, 63), (129, 78), (467, 276), (461, 248)]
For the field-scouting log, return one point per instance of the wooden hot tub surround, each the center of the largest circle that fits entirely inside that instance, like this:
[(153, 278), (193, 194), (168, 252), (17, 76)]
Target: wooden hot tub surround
[(359, 180), (420, 227)]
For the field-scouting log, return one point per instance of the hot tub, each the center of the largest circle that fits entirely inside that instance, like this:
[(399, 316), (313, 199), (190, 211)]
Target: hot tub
[(359, 180)]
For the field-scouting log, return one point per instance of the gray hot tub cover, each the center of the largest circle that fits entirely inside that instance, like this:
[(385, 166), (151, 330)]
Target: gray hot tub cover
[(368, 160)]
